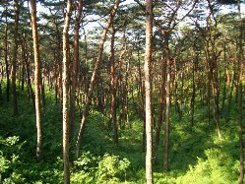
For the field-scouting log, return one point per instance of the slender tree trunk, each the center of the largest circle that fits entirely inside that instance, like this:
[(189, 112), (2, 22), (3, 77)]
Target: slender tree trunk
[(226, 86), (93, 77), (208, 97), (75, 65), (240, 123), (167, 117), (182, 99), (31, 93), (56, 87), (14, 63), (25, 56), (42, 89), (23, 77), (233, 81), (125, 106), (178, 108), (148, 114), (113, 115), (37, 78), (161, 104), (193, 91), (65, 93), (240, 97), (166, 57), (6, 51), (213, 87), (215, 93), (141, 97), (123, 120)]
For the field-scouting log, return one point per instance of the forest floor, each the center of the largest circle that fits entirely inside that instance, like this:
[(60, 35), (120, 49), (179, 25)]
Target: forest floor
[(197, 156)]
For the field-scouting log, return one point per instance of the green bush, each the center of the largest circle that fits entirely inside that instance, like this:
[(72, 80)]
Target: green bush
[(111, 167), (4, 165), (9, 160), (216, 169), (87, 162), (15, 178), (106, 169)]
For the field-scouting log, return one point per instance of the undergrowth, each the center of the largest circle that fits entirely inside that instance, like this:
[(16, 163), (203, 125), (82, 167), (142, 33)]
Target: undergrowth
[(197, 156)]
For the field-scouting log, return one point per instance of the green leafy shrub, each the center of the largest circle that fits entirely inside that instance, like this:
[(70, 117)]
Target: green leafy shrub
[(106, 169), (164, 178), (85, 168), (217, 168), (111, 167), (14, 178), (9, 160), (86, 162), (4, 165)]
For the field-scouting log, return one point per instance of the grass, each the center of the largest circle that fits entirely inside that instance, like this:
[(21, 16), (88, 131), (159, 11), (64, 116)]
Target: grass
[(196, 156)]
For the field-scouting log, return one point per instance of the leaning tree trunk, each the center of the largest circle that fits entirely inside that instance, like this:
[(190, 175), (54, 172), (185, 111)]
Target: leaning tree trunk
[(65, 93), (148, 114), (93, 77)]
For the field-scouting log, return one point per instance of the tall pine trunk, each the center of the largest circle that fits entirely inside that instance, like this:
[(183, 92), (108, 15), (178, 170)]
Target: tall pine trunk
[(161, 104), (193, 96), (148, 114), (167, 116), (14, 63), (6, 51), (37, 79), (75, 65), (65, 93), (113, 115)]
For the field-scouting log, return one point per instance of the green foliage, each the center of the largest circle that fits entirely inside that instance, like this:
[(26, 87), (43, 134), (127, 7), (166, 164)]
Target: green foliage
[(218, 168), (87, 162), (95, 169), (9, 160), (112, 166), (196, 154), (165, 178), (14, 178)]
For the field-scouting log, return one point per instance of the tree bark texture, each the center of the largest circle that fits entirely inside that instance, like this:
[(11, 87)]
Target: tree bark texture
[(65, 93), (37, 79), (148, 114), (75, 64), (113, 115)]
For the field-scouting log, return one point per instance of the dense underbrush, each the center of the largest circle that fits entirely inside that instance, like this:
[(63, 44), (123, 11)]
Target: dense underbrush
[(197, 156)]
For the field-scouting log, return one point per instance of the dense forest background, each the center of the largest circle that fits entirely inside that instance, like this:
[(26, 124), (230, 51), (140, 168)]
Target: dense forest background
[(122, 91)]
